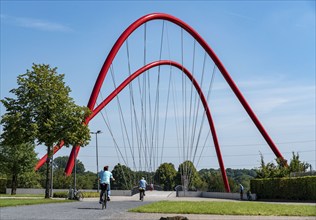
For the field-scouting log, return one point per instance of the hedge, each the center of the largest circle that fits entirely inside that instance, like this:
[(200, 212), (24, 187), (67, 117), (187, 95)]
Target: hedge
[(85, 194), (60, 194), (294, 188)]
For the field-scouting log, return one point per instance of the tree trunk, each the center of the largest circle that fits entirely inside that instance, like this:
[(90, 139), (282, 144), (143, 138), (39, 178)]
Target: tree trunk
[(14, 184), (48, 164)]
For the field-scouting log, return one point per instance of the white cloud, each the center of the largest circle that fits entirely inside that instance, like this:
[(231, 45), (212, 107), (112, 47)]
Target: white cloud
[(35, 24)]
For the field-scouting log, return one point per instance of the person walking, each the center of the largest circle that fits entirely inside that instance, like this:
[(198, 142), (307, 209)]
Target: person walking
[(241, 190)]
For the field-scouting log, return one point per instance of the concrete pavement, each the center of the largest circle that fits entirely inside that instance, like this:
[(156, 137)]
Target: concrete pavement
[(117, 210)]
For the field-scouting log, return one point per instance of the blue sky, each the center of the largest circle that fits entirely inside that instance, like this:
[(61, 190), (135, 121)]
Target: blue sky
[(268, 47)]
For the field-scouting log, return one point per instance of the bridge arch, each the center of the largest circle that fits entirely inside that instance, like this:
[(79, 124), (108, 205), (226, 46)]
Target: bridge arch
[(207, 48), (203, 44)]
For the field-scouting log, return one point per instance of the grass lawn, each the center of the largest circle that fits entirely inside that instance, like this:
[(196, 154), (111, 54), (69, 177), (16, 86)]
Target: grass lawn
[(227, 208), (29, 201), (22, 195)]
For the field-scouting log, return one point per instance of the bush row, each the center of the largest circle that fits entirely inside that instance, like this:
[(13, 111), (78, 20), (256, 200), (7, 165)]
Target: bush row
[(85, 194), (297, 188)]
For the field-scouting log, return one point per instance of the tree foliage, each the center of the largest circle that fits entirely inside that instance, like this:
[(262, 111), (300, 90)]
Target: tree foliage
[(124, 177), (44, 112), (296, 165), (61, 163), (281, 169), (165, 176), (17, 161), (188, 176)]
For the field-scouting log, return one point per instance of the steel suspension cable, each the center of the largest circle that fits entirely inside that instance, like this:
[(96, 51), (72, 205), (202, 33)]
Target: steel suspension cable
[(168, 94), (190, 112), (143, 129), (155, 135), (117, 149), (122, 119), (208, 96), (177, 123), (183, 105), (198, 107), (133, 111), (190, 135), (132, 105)]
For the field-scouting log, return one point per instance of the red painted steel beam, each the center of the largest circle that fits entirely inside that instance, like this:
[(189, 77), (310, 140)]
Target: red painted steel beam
[(43, 160), (199, 91)]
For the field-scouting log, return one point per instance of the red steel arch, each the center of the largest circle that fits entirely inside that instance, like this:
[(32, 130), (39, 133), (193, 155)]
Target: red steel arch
[(207, 48)]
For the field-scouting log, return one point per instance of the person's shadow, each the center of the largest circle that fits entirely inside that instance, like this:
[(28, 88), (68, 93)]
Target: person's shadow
[(91, 208)]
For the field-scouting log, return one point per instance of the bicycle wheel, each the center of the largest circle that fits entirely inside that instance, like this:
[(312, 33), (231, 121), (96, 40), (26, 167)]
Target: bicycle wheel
[(104, 197), (141, 195), (79, 196)]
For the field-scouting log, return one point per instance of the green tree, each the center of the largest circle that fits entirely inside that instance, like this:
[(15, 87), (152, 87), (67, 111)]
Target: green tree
[(29, 179), (281, 169), (213, 180), (297, 166), (61, 162), (87, 180), (61, 181), (149, 177), (124, 177), (265, 170), (46, 112), (165, 176), (17, 160), (188, 176)]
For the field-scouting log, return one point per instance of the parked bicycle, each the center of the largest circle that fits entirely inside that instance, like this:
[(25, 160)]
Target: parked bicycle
[(75, 194)]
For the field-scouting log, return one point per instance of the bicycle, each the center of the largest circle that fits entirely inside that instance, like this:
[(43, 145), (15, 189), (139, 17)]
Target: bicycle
[(76, 194), (104, 197), (141, 194)]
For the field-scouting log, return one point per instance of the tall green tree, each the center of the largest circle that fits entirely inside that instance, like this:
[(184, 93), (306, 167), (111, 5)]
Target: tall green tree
[(165, 176), (17, 153), (213, 180), (47, 114), (16, 160), (296, 165), (188, 176), (265, 170), (63, 182), (61, 163), (124, 177), (87, 180)]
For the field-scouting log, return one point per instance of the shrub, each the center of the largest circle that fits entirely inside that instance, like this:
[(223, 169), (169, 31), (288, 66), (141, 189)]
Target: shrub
[(91, 194), (60, 194), (298, 188)]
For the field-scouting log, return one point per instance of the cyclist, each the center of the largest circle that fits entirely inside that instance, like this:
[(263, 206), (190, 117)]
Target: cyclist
[(142, 186), (104, 176)]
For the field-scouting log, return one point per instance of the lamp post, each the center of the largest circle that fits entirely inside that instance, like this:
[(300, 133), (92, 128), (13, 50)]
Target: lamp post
[(96, 150)]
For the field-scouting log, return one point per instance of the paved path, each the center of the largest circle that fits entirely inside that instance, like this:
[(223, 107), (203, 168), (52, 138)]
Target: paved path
[(117, 210)]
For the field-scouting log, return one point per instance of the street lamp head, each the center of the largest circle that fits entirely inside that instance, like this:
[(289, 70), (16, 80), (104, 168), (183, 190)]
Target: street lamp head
[(97, 132)]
